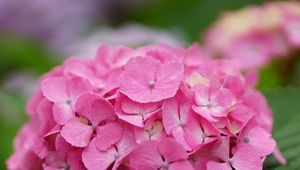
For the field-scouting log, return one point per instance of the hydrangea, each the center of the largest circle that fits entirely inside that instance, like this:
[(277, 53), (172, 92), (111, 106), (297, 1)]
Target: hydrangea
[(153, 107), (256, 35)]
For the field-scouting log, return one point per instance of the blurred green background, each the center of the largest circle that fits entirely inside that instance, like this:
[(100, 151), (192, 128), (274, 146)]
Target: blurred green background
[(22, 56)]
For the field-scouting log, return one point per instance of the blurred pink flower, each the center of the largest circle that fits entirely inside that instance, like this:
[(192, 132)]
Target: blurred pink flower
[(256, 35)]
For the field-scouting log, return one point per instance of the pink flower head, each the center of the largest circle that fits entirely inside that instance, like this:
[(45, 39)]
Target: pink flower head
[(155, 107), (147, 80), (166, 154), (256, 35), (95, 114)]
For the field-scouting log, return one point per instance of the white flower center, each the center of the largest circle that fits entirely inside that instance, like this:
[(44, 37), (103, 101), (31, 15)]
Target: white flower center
[(151, 83)]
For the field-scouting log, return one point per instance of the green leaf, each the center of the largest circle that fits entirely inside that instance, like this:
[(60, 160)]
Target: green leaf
[(286, 108), (20, 53), (12, 117), (192, 17)]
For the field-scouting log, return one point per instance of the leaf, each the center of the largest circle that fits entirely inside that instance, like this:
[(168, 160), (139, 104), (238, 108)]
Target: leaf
[(285, 103), (193, 16), (18, 52)]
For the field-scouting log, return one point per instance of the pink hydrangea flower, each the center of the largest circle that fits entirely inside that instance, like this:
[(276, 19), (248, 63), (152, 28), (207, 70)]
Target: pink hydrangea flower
[(180, 122), (147, 80), (291, 28), (96, 114), (154, 107), (255, 49), (94, 159), (153, 130), (63, 93), (212, 101), (256, 35), (135, 113)]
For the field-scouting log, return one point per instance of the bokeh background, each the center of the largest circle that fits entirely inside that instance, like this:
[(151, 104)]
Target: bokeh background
[(36, 35)]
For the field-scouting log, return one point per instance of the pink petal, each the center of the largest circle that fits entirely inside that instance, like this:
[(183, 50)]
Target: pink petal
[(127, 143), (246, 158), (125, 146), (145, 156), (201, 94), (55, 89), (62, 112), (76, 87), (108, 135), (223, 99), (75, 160), (171, 150), (77, 67), (131, 107), (241, 115), (24, 159), (93, 159), (95, 108), (135, 120), (209, 129), (201, 163), (153, 130), (221, 149), (54, 161), (258, 103), (33, 102), (169, 77), (218, 166), (138, 73), (194, 135), (278, 155), (259, 140), (204, 112), (62, 147), (40, 147), (170, 115), (185, 112), (179, 135), (77, 133), (135, 113), (186, 165)]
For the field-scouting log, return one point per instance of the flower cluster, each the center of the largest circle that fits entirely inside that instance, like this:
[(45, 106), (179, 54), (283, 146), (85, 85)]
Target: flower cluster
[(256, 35), (154, 107)]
